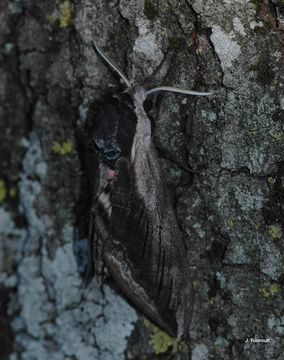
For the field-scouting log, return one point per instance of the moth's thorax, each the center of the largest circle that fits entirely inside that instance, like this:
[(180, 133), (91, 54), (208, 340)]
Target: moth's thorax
[(138, 94), (142, 137)]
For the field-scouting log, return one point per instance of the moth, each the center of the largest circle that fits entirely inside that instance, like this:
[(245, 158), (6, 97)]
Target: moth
[(134, 232)]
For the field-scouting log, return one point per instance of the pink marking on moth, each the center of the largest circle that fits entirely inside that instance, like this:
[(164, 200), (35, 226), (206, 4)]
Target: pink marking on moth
[(107, 174), (111, 174)]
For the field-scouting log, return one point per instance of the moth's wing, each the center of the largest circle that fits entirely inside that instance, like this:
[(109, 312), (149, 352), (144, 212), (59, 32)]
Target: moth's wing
[(111, 121), (99, 229), (91, 265), (95, 261), (146, 257)]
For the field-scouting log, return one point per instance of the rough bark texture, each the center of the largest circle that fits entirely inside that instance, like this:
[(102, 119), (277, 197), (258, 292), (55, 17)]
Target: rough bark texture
[(231, 209)]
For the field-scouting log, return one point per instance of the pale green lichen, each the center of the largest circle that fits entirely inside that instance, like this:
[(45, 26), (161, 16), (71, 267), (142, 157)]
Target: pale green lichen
[(66, 147), (277, 135), (161, 341), (269, 290), (256, 3), (3, 190), (63, 16), (52, 19), (275, 231), (12, 193), (231, 224)]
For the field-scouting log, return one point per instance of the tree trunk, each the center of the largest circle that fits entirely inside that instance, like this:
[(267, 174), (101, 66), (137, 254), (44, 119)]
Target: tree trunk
[(230, 207)]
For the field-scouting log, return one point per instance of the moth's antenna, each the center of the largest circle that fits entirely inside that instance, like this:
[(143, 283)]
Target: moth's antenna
[(177, 90), (115, 68)]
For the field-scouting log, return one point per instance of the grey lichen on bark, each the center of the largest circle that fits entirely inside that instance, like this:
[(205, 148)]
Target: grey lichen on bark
[(230, 209)]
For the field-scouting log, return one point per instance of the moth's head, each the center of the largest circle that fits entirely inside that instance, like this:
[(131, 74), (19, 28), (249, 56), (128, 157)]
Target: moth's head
[(137, 93)]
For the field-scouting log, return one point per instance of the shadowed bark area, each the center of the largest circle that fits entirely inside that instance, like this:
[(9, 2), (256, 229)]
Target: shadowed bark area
[(230, 209)]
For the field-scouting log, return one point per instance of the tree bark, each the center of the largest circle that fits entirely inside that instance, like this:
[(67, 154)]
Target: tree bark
[(230, 207)]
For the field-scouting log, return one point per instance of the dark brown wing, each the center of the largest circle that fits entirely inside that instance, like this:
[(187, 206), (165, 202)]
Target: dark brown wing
[(98, 236), (146, 255), (111, 125)]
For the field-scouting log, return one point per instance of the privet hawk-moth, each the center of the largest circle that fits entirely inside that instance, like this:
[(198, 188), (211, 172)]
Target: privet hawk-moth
[(134, 231)]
